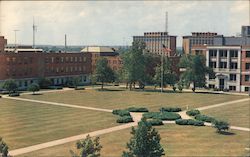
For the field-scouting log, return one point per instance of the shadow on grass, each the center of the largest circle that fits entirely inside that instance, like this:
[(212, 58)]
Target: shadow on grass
[(110, 90), (226, 133), (37, 94), (208, 93)]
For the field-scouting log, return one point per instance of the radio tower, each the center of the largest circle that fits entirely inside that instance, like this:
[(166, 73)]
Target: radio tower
[(34, 32)]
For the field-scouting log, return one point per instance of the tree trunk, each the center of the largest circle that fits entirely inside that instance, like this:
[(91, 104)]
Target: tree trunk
[(102, 85), (126, 85), (134, 85), (130, 86)]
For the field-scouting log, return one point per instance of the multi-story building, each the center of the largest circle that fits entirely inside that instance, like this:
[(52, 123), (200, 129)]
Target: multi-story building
[(245, 69), (3, 43), (114, 60), (197, 39), (155, 40)]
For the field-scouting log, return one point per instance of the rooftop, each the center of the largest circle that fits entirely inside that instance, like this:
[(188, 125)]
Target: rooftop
[(98, 49)]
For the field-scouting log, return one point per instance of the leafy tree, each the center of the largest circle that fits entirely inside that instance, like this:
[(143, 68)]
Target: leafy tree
[(180, 85), (196, 70), (145, 142), (134, 64), (221, 125), (10, 86), (34, 87), (103, 72), (89, 147), (44, 83), (76, 81), (3, 148)]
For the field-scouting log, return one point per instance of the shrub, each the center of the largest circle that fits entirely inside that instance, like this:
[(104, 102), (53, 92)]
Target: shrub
[(79, 88), (136, 109), (189, 122), (162, 115), (220, 125), (170, 109), (121, 112), (155, 122), (14, 94), (193, 112), (124, 119), (204, 118)]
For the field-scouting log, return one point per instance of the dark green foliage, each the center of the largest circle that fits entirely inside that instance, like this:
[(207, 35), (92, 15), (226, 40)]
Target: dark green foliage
[(220, 125), (44, 83), (170, 109), (14, 94), (103, 72), (121, 112), (204, 118), (162, 115), (189, 122), (193, 112), (10, 86), (137, 109), (4, 149), (124, 119), (89, 147), (55, 87), (34, 87), (155, 122), (145, 142)]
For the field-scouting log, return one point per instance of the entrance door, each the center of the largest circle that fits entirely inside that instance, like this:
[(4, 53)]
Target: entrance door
[(221, 85)]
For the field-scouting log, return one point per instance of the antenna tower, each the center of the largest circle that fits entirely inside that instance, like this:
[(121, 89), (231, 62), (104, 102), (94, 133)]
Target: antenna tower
[(34, 32)]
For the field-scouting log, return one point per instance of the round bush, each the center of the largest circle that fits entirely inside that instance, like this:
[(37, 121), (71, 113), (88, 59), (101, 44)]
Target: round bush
[(121, 112), (189, 122), (204, 118), (193, 112), (155, 122), (170, 109), (162, 115), (124, 119)]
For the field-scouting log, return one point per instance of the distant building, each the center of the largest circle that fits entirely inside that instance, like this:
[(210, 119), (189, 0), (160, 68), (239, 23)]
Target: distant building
[(245, 31), (3, 43), (114, 60), (197, 39), (154, 42)]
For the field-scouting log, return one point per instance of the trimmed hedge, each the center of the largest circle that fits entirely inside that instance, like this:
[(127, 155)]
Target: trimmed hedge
[(204, 118), (155, 122), (137, 109), (124, 119), (193, 112), (162, 115), (170, 109), (121, 112), (189, 122)]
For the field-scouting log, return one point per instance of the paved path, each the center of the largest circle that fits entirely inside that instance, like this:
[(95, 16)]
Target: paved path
[(57, 104), (232, 127)]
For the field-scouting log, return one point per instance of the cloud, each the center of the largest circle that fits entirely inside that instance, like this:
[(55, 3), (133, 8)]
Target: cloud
[(110, 23)]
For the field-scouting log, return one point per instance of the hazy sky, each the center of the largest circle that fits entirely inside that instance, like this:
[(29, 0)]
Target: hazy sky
[(114, 23)]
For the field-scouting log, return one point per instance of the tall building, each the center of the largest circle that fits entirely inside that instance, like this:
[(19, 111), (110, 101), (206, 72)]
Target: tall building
[(155, 40), (245, 31), (3, 43), (197, 39)]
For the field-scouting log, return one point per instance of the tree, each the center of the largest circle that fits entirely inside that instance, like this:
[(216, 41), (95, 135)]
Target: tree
[(3, 148), (89, 147), (134, 64), (103, 72), (145, 142), (10, 86), (196, 70), (76, 81), (34, 87), (221, 125), (44, 83)]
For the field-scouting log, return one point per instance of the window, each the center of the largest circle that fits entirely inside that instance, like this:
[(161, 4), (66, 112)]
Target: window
[(233, 65), (247, 89), (67, 59), (84, 59), (71, 59), (211, 86), (52, 59), (62, 59), (247, 54), (223, 65), (247, 78), (75, 59), (247, 66), (223, 53), (232, 88), (233, 53), (212, 64), (232, 77)]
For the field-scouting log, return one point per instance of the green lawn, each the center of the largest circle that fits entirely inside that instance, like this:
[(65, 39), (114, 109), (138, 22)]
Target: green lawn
[(236, 114), (124, 99), (176, 140), (24, 123)]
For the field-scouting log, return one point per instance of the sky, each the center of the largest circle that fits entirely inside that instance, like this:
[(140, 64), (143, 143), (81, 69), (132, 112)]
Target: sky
[(115, 22)]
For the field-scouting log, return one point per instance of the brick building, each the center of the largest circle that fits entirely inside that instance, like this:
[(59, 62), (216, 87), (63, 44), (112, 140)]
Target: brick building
[(114, 60), (245, 69), (3, 43)]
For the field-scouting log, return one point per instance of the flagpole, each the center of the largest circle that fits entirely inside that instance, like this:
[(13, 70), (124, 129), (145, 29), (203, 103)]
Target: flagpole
[(162, 71)]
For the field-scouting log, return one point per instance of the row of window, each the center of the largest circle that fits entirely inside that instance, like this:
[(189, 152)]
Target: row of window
[(231, 88), (14, 72), (223, 53), (23, 60), (64, 59), (223, 65), (66, 69)]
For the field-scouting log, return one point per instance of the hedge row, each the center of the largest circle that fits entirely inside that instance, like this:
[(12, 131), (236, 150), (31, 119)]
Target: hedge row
[(155, 122), (204, 118), (124, 119), (137, 109), (189, 122), (193, 112), (121, 112), (170, 109), (162, 115)]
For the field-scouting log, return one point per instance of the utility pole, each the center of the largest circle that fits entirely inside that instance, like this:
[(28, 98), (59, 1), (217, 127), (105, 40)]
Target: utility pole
[(34, 31), (249, 11), (15, 38)]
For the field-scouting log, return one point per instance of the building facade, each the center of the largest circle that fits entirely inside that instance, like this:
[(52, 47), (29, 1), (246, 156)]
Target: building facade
[(155, 40), (245, 69), (3, 43)]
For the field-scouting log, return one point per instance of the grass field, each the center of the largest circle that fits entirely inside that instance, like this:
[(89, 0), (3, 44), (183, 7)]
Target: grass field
[(124, 99), (236, 114), (24, 124), (176, 140)]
